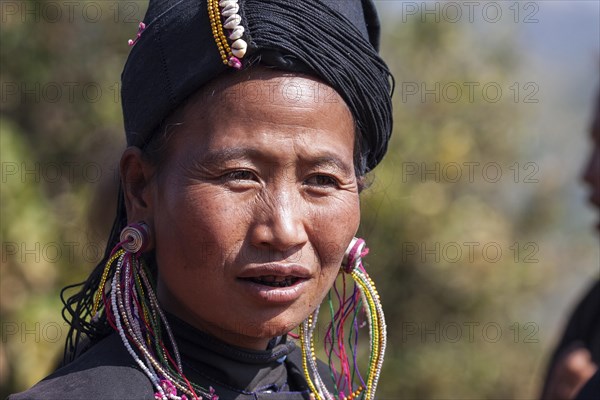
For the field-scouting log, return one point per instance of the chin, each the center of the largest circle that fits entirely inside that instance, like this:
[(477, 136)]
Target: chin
[(272, 327)]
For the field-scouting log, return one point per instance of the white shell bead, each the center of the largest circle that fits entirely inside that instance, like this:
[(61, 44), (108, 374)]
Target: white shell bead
[(225, 3), (232, 21), (237, 32), (230, 9), (238, 48)]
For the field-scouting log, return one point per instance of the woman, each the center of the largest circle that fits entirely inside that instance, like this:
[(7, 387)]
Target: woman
[(573, 368), (250, 126)]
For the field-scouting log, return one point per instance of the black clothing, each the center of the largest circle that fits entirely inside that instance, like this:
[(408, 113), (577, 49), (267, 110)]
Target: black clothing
[(583, 328), (591, 390), (584, 325), (107, 371)]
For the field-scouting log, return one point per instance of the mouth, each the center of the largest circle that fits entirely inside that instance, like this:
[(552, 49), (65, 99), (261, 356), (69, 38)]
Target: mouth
[(274, 281)]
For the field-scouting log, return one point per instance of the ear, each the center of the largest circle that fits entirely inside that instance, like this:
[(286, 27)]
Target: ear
[(137, 180)]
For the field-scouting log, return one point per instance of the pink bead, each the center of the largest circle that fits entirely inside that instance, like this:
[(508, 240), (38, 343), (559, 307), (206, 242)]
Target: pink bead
[(141, 28), (168, 387), (235, 62)]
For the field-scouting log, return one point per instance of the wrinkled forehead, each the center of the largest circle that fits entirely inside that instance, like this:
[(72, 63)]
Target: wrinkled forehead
[(266, 88), (264, 114)]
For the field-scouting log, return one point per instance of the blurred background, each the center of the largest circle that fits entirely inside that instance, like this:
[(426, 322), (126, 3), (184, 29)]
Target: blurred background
[(481, 236)]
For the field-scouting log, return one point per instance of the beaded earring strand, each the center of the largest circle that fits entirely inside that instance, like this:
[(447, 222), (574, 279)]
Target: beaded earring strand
[(364, 294), (132, 309)]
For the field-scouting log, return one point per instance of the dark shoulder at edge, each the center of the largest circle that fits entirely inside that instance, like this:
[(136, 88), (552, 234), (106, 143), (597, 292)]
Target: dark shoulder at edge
[(105, 371)]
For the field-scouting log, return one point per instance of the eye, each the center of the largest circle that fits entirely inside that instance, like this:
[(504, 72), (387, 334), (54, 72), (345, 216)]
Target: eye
[(320, 180), (239, 175)]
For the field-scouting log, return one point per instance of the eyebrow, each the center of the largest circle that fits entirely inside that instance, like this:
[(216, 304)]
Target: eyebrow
[(228, 154), (331, 160), (220, 156)]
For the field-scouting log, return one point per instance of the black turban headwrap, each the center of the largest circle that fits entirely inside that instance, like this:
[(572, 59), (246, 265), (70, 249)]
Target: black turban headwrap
[(335, 41)]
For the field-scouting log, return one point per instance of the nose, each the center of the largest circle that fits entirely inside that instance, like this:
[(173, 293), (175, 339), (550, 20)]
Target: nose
[(280, 223)]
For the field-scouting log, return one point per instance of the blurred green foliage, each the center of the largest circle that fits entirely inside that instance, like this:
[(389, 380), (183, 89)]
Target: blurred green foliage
[(440, 220), (463, 319)]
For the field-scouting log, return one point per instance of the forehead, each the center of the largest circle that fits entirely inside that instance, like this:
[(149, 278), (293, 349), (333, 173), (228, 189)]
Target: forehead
[(268, 107), (264, 88)]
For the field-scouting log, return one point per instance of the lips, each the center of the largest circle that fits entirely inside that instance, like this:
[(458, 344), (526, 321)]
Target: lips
[(275, 283)]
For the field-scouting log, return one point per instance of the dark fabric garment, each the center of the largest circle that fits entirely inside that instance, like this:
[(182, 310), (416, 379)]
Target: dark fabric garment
[(584, 324), (583, 328), (591, 390), (106, 371)]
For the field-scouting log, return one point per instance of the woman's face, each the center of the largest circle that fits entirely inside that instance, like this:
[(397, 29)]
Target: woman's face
[(253, 206)]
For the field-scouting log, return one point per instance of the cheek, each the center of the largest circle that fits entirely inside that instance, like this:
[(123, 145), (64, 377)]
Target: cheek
[(197, 225), (333, 229)]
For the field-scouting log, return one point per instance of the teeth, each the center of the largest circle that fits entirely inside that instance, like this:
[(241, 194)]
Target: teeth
[(275, 281), (273, 278)]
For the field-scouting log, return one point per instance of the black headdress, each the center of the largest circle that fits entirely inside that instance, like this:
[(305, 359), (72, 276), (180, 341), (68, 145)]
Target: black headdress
[(334, 40)]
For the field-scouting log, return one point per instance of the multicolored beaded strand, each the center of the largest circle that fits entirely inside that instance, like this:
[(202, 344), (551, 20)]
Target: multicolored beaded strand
[(365, 294)]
